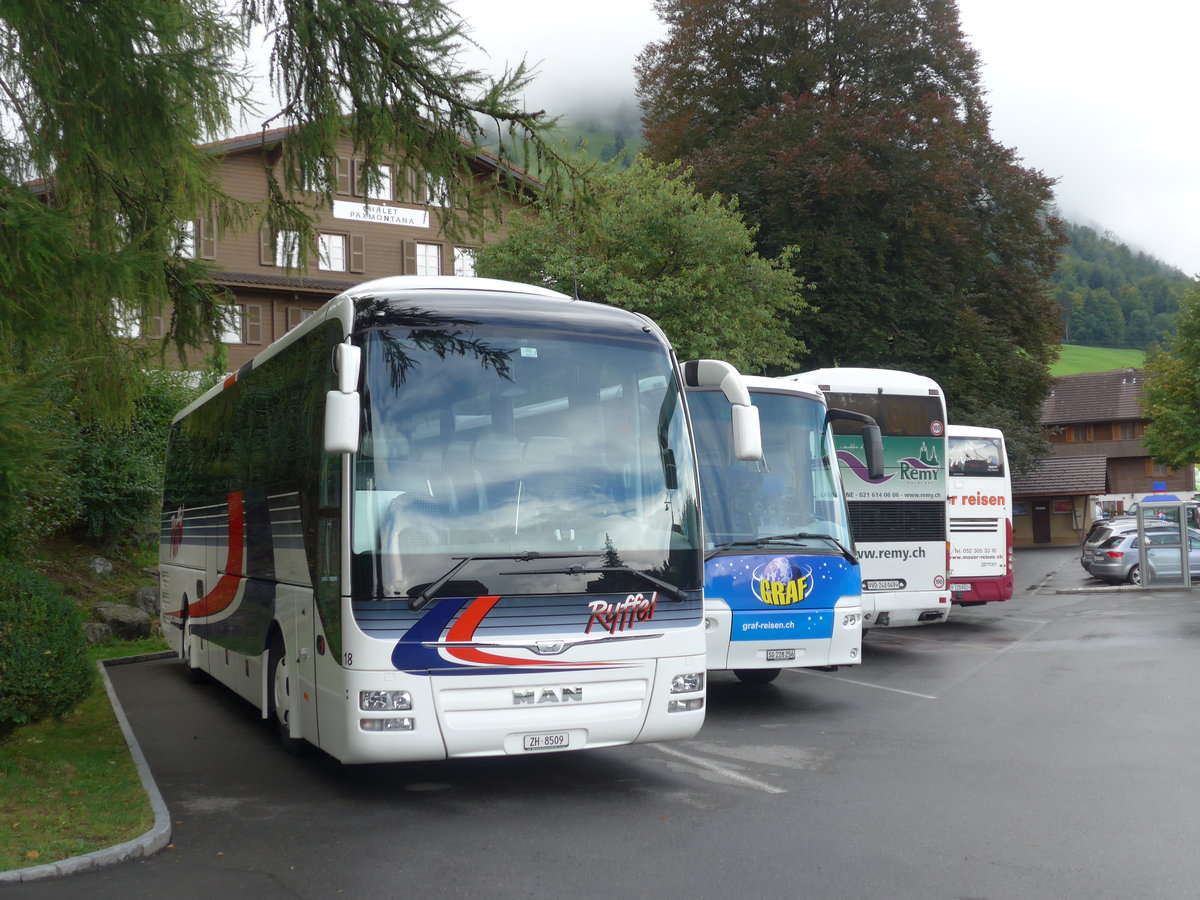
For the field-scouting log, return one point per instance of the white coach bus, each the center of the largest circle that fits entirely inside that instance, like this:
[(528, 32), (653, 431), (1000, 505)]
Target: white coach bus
[(898, 519), (447, 517)]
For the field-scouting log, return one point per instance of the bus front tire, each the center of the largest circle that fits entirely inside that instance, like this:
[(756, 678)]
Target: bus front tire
[(756, 676), (279, 697)]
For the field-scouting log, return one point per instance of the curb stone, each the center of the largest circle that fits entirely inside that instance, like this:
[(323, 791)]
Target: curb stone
[(147, 844)]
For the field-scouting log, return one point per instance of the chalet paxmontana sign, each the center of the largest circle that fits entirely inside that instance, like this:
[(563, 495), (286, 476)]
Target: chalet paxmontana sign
[(382, 215)]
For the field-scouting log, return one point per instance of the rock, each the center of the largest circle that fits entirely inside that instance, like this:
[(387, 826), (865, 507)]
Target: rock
[(101, 566), (146, 599), (126, 622), (97, 632)]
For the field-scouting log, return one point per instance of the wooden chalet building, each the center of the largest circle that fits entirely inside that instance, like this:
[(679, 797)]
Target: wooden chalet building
[(1090, 419), (396, 229)]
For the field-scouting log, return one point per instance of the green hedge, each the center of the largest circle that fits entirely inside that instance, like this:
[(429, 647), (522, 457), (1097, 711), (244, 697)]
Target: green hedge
[(44, 669)]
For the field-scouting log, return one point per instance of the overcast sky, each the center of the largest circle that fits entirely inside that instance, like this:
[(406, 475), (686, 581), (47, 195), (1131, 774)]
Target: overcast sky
[(1099, 94)]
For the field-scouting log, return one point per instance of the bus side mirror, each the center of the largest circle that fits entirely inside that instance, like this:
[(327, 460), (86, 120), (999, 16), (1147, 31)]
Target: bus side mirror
[(342, 406), (747, 433), (871, 437), (873, 448)]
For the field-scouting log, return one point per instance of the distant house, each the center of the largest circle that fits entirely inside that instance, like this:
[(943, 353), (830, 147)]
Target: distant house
[(1090, 419)]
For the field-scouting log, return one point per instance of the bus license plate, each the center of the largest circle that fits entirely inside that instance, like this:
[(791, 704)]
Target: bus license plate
[(960, 587), (551, 740), (780, 654)]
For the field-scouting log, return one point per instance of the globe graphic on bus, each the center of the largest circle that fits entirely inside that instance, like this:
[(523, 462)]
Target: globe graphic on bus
[(781, 570)]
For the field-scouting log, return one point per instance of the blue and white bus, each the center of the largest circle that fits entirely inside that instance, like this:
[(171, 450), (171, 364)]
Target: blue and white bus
[(446, 517), (782, 587), (899, 519)]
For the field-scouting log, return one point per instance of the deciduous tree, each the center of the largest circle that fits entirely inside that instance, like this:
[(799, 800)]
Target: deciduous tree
[(647, 241), (1172, 399), (860, 137)]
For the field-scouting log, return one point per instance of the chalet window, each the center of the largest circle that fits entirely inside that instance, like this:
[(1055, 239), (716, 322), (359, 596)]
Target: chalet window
[(1079, 433), (243, 324), (374, 184), (1129, 431), (437, 191), (127, 320), (279, 249), (412, 187), (464, 261), (331, 252), (342, 175), (185, 244), (422, 258), (429, 259), (197, 238)]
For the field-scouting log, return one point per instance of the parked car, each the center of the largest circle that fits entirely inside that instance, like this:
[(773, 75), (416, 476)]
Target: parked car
[(1100, 532), (1116, 558), (1162, 563)]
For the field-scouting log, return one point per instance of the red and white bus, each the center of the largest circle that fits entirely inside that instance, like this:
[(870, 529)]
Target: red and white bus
[(980, 512)]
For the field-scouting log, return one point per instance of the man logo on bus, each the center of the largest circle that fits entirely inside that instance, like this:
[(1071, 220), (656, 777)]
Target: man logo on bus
[(782, 582)]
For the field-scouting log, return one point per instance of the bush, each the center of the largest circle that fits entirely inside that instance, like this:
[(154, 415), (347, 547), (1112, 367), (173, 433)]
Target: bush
[(44, 669), (121, 466)]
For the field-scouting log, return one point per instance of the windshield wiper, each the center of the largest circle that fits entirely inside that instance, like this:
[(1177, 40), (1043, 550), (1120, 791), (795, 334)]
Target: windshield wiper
[(676, 593), (426, 595), (787, 539)]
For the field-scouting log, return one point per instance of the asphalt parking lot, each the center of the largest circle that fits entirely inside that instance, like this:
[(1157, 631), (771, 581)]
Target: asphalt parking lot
[(1044, 747)]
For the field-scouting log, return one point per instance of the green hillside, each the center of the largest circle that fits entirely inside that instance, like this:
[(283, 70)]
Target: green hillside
[(1078, 360)]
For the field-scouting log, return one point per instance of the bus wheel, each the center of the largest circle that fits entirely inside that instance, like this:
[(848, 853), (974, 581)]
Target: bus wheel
[(756, 676), (193, 673), (279, 697)]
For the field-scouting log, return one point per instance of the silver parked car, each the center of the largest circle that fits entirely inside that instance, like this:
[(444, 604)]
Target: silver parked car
[(1162, 563), (1116, 557)]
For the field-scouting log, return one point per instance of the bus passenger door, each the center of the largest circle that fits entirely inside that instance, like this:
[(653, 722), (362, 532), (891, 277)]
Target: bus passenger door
[(321, 627)]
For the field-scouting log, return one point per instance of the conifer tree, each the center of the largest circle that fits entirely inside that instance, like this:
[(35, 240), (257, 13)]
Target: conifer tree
[(104, 110)]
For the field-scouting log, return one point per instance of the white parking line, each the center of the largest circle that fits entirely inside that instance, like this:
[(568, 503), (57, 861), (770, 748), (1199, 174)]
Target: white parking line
[(718, 769), (879, 687)]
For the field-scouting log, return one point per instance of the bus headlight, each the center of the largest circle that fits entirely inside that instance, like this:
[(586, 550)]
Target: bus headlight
[(851, 620), (684, 684), (694, 703), (397, 724), (382, 701)]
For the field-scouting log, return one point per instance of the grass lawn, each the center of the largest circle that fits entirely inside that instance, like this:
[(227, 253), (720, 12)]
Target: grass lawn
[(1078, 360), (69, 786)]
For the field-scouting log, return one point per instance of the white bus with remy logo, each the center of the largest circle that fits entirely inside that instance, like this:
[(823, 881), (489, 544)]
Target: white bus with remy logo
[(447, 517), (981, 526), (899, 519)]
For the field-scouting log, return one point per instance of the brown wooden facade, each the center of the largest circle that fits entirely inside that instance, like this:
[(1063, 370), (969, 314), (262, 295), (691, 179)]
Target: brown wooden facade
[(396, 229)]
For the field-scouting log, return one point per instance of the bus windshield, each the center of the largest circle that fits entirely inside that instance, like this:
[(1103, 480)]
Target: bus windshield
[(500, 443), (793, 494), (975, 456)]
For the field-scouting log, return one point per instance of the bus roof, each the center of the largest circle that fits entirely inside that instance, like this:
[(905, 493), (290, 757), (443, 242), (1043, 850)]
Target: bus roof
[(868, 381), (398, 284), (976, 431)]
